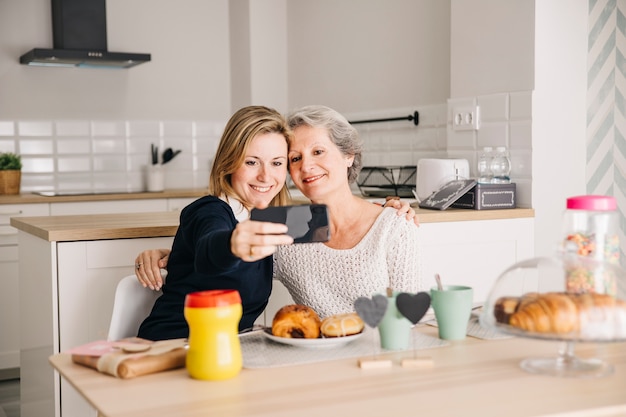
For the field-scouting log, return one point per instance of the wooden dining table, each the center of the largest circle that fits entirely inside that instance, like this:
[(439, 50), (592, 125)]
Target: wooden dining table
[(470, 377)]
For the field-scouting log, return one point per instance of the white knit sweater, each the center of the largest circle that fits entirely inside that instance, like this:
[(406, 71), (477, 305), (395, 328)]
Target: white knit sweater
[(329, 280)]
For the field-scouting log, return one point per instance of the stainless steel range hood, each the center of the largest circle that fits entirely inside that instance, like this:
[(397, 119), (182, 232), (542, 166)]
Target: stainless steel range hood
[(80, 39)]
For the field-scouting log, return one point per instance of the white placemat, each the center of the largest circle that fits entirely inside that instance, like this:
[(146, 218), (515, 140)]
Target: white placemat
[(260, 352), (474, 329)]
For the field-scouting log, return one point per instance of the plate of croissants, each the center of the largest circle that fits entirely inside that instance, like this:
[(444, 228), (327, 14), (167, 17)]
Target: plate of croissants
[(299, 325), (562, 316)]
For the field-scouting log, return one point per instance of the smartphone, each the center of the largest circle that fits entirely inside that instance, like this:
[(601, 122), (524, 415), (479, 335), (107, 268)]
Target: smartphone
[(307, 223)]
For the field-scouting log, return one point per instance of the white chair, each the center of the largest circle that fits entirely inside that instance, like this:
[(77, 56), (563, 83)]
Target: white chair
[(132, 305)]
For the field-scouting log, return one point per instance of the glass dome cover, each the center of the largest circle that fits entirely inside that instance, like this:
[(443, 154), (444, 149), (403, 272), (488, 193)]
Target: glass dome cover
[(566, 298)]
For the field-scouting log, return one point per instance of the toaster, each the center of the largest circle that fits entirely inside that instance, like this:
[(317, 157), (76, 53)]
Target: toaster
[(433, 173)]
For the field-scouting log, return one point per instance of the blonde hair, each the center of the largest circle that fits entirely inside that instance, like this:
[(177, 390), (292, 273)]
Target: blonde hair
[(243, 126)]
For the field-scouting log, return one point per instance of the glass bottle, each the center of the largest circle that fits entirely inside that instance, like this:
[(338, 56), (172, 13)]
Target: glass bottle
[(590, 231), (501, 167), (484, 165)]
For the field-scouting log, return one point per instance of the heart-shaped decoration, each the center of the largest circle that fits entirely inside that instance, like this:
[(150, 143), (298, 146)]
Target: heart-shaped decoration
[(413, 306), (371, 310)]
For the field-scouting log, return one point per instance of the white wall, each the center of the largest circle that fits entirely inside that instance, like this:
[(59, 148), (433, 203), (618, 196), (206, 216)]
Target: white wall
[(363, 55), (188, 77), (559, 114), (492, 47)]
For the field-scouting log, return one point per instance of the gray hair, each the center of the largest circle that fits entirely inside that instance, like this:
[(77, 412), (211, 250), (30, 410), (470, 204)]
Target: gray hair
[(340, 131)]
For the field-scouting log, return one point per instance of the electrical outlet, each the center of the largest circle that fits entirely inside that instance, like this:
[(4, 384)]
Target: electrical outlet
[(466, 118)]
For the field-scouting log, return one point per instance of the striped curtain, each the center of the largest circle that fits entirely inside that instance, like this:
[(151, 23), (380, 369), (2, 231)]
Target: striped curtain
[(606, 106)]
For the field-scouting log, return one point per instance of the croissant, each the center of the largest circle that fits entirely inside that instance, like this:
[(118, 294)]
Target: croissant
[(296, 321), (588, 315)]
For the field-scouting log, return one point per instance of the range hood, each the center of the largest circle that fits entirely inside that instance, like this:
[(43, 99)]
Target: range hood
[(80, 39)]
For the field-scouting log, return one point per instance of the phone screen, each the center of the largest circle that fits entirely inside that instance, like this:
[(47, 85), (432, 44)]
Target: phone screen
[(306, 223)]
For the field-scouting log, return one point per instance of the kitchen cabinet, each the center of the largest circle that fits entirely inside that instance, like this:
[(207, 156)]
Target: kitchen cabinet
[(9, 281), (66, 297), (9, 278), (474, 253), (88, 273)]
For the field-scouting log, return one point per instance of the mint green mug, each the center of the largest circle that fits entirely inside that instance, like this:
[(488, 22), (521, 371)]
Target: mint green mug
[(453, 308), (394, 329)]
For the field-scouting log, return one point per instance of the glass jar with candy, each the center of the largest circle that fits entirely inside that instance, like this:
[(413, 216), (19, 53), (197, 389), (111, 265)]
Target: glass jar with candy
[(590, 229)]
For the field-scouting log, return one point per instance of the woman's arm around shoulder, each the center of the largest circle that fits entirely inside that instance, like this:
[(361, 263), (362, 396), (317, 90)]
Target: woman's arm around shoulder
[(403, 255)]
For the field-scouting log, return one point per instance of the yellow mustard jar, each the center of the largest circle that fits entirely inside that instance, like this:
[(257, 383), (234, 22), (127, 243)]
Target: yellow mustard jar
[(214, 350)]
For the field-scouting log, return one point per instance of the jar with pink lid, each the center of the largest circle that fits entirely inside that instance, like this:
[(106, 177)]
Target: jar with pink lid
[(590, 231)]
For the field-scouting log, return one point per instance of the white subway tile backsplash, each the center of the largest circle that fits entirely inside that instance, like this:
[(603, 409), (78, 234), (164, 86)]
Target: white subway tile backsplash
[(461, 140), (492, 134), (7, 128), (71, 181), (73, 146), (38, 182), (38, 165), (110, 146), (184, 144), (520, 135), (205, 145), (521, 164), (105, 180), (7, 146), (138, 162), (141, 146), (505, 121), (69, 128), (201, 178), (521, 105), (36, 147), (108, 128), (113, 154), (177, 129), (180, 180), (74, 164), (208, 129), (429, 138), (493, 107), (151, 129), (109, 164), (523, 192), (34, 128)]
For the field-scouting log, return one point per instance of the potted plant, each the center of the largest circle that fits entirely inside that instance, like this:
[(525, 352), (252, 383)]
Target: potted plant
[(10, 173)]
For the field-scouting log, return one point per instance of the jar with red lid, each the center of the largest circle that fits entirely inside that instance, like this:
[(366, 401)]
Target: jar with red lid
[(590, 229), (214, 350)]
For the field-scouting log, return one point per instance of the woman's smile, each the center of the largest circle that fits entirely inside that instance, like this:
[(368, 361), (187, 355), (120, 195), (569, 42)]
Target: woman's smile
[(308, 180)]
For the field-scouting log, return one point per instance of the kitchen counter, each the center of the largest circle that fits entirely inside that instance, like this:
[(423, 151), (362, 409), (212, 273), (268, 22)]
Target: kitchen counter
[(99, 226), (139, 225), (471, 377), (31, 198)]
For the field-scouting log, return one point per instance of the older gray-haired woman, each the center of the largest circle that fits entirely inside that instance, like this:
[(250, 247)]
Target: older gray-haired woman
[(371, 247)]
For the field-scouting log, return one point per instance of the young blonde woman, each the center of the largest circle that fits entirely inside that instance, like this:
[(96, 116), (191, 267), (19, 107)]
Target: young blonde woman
[(213, 247)]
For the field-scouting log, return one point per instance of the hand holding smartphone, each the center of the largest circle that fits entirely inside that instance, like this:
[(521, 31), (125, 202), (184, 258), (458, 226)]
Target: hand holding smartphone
[(306, 223)]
